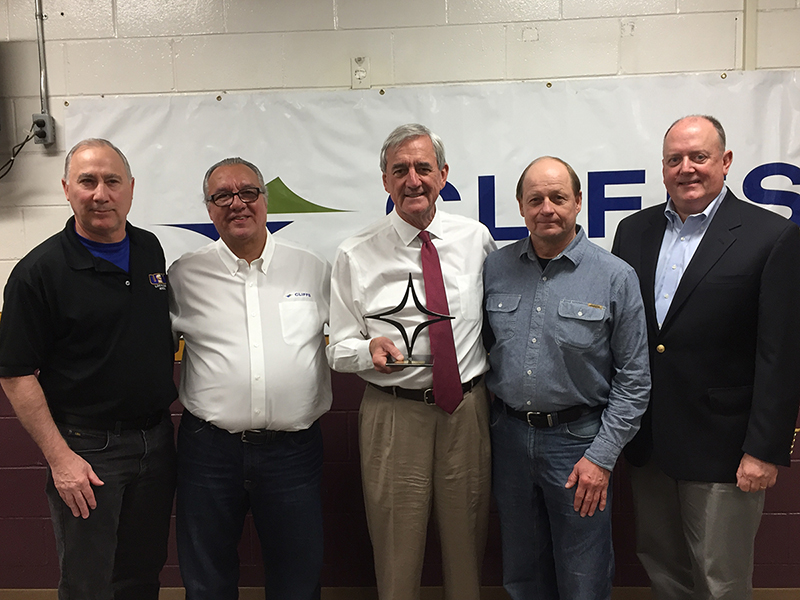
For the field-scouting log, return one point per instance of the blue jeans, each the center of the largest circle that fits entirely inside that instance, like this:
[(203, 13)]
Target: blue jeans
[(220, 477), (550, 552), (118, 552)]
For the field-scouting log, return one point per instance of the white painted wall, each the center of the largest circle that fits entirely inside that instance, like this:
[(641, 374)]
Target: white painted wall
[(123, 47)]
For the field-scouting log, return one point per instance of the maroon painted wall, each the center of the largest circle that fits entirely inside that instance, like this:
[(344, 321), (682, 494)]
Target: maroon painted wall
[(27, 546)]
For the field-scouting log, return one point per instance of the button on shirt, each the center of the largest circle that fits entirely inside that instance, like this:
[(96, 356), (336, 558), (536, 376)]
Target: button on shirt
[(370, 276), (681, 239), (573, 334), (254, 353)]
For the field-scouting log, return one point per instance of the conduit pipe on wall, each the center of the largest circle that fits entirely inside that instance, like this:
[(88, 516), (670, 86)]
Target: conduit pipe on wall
[(42, 62)]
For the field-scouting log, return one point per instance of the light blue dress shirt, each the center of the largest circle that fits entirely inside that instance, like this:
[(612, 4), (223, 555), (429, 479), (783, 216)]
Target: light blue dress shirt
[(680, 242)]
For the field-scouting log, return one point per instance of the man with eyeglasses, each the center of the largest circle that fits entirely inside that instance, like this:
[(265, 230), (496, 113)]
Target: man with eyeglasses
[(254, 382)]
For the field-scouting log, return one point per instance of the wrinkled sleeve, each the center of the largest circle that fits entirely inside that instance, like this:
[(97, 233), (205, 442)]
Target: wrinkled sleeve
[(630, 383), (777, 377), (348, 351)]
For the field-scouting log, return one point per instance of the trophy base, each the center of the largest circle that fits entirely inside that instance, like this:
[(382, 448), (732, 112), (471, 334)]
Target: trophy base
[(417, 361)]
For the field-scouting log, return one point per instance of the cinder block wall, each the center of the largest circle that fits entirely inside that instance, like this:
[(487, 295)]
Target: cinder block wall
[(130, 47)]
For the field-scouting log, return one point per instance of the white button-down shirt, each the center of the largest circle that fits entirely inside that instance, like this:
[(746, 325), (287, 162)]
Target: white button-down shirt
[(370, 276), (681, 239), (254, 353)]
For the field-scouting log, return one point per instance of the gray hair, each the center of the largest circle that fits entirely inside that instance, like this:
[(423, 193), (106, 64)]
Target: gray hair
[(573, 176), (713, 120), (234, 160), (95, 143), (410, 131)]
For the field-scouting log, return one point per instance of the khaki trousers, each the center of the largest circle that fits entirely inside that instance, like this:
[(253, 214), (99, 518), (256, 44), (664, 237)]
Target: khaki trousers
[(695, 539), (414, 457)]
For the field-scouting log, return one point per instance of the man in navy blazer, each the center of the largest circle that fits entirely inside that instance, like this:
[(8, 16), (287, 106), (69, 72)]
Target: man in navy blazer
[(720, 280)]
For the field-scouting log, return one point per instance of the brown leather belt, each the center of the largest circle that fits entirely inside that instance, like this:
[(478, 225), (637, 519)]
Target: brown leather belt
[(421, 395)]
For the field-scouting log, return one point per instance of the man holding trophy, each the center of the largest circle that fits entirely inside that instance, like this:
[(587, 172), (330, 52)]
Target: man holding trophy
[(423, 422)]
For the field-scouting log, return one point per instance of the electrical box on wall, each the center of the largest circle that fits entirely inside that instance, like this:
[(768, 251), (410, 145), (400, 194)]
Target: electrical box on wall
[(359, 73), (44, 129)]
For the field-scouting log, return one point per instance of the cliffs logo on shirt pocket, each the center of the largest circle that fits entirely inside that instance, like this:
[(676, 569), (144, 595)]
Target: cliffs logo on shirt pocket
[(306, 295), (158, 281)]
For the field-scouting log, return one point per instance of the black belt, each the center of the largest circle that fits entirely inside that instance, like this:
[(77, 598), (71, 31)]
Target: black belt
[(261, 436), (249, 436), (421, 395), (142, 423), (544, 420)]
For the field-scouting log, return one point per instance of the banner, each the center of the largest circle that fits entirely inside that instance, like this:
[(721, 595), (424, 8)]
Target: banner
[(319, 149)]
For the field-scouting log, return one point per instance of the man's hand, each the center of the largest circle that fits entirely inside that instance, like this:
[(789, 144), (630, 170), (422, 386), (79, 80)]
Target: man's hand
[(754, 475), (72, 475), (592, 488), (74, 478), (382, 348)]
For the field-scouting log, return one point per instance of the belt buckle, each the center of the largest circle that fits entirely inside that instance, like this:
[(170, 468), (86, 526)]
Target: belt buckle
[(253, 436), (427, 397), (536, 413)]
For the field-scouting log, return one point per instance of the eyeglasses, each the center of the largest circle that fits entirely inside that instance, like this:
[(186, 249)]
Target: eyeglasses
[(246, 195)]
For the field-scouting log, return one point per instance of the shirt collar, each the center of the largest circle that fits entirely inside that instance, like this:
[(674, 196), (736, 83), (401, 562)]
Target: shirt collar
[(233, 263), (408, 233), (574, 250), (706, 215), (78, 256)]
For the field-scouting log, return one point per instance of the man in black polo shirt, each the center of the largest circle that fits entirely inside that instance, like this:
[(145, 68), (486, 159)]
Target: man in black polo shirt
[(87, 309)]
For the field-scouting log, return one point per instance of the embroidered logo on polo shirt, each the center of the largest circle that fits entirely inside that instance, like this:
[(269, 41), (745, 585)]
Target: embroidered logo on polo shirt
[(158, 281), (299, 295)]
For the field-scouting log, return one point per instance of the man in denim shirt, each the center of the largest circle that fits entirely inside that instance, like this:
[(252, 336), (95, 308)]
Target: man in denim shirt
[(569, 370)]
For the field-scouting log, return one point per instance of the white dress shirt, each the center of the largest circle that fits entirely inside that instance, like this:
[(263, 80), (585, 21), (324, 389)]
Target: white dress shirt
[(254, 353), (370, 276), (680, 242)]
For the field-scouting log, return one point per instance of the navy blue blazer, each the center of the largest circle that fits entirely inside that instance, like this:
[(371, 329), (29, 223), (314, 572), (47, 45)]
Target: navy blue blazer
[(725, 364)]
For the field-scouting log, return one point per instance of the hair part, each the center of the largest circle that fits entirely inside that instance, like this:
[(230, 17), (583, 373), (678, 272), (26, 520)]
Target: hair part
[(408, 132), (234, 160), (573, 176), (95, 143), (714, 122)]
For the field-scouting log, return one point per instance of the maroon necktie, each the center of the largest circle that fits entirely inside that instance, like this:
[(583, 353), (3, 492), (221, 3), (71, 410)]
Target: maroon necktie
[(446, 379)]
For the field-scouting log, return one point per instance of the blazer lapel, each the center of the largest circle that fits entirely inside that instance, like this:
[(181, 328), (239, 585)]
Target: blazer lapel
[(652, 236), (715, 243)]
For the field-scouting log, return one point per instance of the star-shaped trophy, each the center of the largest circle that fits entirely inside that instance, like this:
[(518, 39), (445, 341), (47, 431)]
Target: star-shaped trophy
[(410, 360)]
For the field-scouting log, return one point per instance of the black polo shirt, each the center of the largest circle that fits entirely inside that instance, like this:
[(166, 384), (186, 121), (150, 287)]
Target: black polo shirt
[(100, 337)]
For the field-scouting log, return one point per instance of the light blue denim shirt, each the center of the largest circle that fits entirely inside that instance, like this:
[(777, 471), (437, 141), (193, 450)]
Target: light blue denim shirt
[(573, 334)]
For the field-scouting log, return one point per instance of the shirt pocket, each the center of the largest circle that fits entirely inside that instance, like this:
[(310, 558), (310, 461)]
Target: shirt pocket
[(502, 312), (579, 324), (470, 292), (300, 322)]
